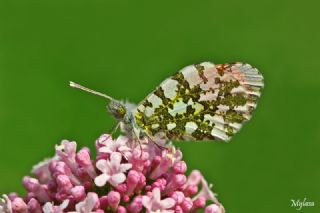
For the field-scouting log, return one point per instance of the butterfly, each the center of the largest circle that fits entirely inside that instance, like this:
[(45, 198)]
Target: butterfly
[(200, 102)]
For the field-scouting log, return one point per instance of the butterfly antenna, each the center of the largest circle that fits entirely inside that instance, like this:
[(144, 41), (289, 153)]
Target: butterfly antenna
[(78, 86)]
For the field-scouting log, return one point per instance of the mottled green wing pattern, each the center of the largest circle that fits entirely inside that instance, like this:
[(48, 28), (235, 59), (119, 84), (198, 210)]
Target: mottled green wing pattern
[(201, 102)]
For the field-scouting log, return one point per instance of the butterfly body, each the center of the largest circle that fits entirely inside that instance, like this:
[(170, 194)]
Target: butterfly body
[(200, 102)]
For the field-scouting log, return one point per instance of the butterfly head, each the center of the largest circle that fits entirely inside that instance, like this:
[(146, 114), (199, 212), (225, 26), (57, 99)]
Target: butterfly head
[(117, 109)]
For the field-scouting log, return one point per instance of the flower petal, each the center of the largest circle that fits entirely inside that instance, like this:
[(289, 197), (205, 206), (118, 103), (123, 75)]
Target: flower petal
[(48, 208), (64, 204), (146, 202), (105, 149), (102, 165), (167, 203), (206, 191), (116, 179), (90, 202), (115, 159), (101, 180), (122, 140), (156, 194), (124, 167)]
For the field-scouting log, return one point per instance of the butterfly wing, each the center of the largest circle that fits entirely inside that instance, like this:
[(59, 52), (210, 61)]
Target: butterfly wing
[(201, 102)]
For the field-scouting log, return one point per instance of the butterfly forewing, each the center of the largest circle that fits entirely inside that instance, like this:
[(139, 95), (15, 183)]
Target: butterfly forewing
[(201, 102)]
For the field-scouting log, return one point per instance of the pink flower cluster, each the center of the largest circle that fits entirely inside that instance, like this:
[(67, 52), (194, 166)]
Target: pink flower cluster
[(124, 177)]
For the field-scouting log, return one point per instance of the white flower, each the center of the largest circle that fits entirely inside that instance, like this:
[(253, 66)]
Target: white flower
[(50, 208), (88, 204), (156, 205), (112, 170), (119, 145), (5, 205)]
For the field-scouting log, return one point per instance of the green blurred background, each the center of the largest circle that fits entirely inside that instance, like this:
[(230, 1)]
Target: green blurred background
[(126, 48)]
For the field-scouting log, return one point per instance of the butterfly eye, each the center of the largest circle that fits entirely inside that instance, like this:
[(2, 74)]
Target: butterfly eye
[(121, 111)]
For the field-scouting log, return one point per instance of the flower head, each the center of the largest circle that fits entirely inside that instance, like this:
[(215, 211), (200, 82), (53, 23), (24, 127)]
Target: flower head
[(125, 176)]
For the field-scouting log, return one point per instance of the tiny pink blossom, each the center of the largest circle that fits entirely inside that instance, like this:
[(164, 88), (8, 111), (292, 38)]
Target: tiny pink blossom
[(121, 209), (112, 170), (103, 140), (194, 178), (113, 199), (5, 204), (200, 202), (78, 193), (19, 206), (34, 206), (50, 208), (84, 160), (155, 204), (132, 181), (67, 151), (40, 191), (186, 205), (120, 145), (180, 167), (41, 170), (214, 208), (87, 206), (178, 196), (136, 205)]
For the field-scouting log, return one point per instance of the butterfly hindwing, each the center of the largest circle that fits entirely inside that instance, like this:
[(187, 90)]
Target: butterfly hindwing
[(201, 102)]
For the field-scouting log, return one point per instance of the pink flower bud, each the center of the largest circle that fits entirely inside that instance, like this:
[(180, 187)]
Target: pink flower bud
[(147, 164), (156, 160), (78, 193), (194, 178), (122, 188), (132, 181), (39, 191), (83, 157), (34, 206), (19, 206), (103, 202), (200, 202), (29, 196), (84, 160), (125, 198), (142, 181), (30, 184), (103, 140), (94, 198), (12, 195), (60, 168), (67, 152), (136, 205), (121, 209), (176, 182), (64, 183), (178, 196), (180, 167), (187, 205), (160, 183), (178, 209), (162, 168), (214, 208), (191, 190), (113, 199)]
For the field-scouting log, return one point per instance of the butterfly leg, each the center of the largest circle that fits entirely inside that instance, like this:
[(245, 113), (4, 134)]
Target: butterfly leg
[(115, 128), (161, 147)]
